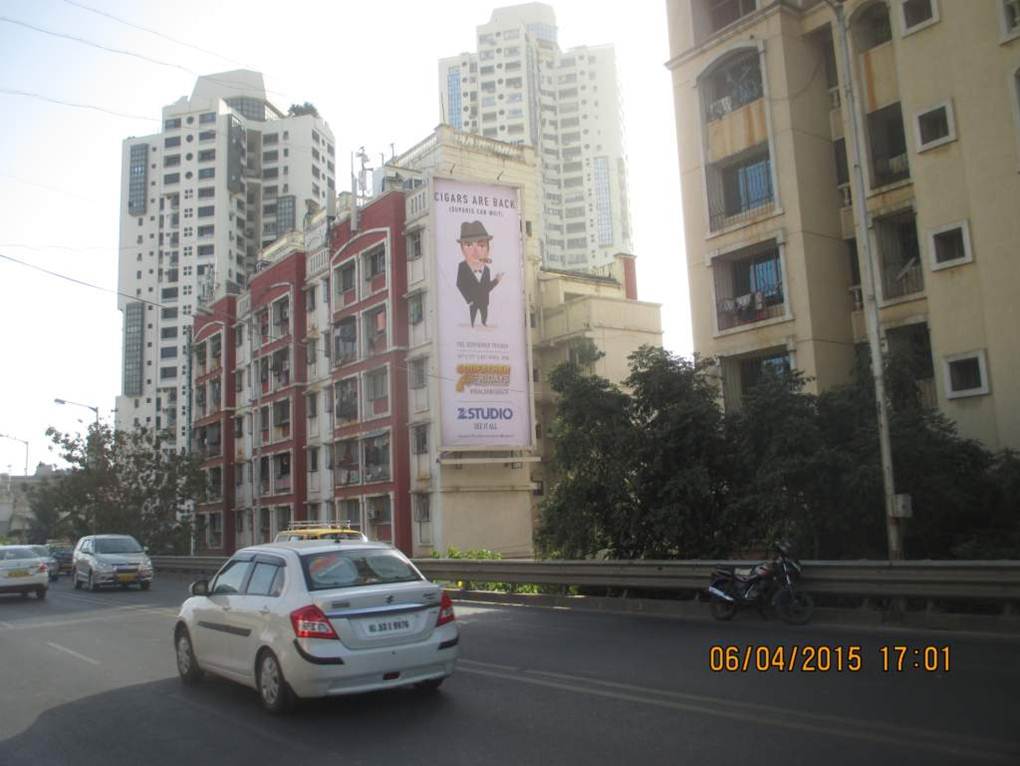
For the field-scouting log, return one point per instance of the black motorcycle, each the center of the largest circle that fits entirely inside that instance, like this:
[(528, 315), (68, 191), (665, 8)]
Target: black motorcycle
[(769, 584)]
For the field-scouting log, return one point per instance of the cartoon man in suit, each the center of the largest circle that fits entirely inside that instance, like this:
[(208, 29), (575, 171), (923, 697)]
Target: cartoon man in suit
[(473, 278)]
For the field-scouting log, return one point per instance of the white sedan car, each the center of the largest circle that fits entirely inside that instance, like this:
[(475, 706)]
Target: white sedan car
[(315, 619), (23, 571)]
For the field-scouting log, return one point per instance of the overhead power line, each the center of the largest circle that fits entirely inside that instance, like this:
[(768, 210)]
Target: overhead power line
[(141, 56), (157, 33), (41, 97)]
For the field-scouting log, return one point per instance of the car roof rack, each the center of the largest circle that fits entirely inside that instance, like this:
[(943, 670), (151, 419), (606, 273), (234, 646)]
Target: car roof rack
[(298, 525)]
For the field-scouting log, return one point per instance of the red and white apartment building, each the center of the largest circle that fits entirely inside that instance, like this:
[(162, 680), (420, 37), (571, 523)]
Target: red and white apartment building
[(315, 392), (295, 408)]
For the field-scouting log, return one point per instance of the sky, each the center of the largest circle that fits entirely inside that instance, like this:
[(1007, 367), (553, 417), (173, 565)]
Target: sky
[(370, 69)]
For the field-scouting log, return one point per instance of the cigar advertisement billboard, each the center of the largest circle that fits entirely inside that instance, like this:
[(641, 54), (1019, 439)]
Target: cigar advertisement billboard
[(482, 367)]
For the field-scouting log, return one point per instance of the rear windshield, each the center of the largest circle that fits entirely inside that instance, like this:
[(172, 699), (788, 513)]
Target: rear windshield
[(15, 554), (351, 568), (118, 545), (42, 550)]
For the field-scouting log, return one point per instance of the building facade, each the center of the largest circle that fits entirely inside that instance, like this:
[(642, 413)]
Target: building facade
[(519, 87), (227, 175), (359, 438), (762, 124)]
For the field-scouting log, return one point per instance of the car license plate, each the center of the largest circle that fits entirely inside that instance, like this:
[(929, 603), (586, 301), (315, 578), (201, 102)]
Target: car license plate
[(18, 573), (390, 626), (126, 577)]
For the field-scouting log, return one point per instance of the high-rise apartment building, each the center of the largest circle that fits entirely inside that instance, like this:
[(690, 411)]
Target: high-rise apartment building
[(228, 174), (519, 87), (771, 223)]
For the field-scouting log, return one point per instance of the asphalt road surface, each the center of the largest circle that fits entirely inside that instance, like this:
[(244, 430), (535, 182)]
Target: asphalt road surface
[(89, 678)]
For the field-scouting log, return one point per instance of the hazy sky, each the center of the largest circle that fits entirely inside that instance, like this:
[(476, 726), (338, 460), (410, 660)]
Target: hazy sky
[(370, 68)]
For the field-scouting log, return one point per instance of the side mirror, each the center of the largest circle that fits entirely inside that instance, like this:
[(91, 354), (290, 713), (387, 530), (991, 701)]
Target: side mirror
[(200, 588), (145, 548)]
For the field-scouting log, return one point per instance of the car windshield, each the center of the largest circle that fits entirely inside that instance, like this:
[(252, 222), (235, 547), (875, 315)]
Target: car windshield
[(351, 568), (16, 554), (118, 545)]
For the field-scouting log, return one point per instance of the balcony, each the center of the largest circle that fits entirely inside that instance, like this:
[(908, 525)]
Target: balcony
[(739, 191), (748, 288)]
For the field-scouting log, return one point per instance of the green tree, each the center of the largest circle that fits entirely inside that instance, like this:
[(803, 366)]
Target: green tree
[(682, 460), (593, 505), (119, 482), (297, 110)]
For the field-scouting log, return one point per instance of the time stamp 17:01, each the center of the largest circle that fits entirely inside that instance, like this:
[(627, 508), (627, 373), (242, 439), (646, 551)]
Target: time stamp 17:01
[(827, 658)]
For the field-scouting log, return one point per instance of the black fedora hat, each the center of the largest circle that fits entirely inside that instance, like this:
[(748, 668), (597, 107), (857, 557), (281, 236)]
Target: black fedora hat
[(472, 231)]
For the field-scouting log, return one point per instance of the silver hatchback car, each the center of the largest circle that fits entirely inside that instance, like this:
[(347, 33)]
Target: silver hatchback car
[(315, 619), (110, 560)]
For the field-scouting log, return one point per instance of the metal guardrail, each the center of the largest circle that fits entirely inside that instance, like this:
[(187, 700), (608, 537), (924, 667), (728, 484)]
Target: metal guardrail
[(966, 580)]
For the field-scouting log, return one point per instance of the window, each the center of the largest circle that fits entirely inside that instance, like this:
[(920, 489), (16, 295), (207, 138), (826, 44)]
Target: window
[(417, 372), (966, 375), (208, 191), (935, 127), (207, 155), (732, 85), (872, 27), (918, 14), (899, 256), (377, 387), (888, 145), (346, 340), (206, 118), (377, 458), (172, 141), (347, 467), (740, 190), (1011, 16), (414, 245), (754, 369), (346, 400), (748, 287), (171, 178), (230, 579), (312, 405), (206, 211), (207, 172), (375, 330), (310, 299), (415, 308), (420, 439), (950, 245), (375, 263), (346, 282), (313, 459), (171, 124), (266, 580)]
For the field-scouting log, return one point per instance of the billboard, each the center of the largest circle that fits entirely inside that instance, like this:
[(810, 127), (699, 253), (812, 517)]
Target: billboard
[(482, 369)]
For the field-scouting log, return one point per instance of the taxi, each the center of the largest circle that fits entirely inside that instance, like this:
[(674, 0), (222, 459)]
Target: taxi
[(300, 531)]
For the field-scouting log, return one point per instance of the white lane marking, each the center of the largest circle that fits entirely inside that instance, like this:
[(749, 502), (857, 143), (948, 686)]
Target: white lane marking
[(850, 728), (72, 652)]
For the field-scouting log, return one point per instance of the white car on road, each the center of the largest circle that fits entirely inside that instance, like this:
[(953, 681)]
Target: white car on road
[(315, 619), (23, 571)]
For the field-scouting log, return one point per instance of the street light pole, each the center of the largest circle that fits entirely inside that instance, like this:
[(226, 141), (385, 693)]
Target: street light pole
[(869, 286), (16, 439)]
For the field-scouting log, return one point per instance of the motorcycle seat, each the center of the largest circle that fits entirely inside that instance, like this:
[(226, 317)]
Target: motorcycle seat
[(739, 573)]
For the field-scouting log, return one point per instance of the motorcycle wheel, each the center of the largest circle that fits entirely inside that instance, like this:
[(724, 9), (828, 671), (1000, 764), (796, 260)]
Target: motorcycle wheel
[(794, 607), (722, 610)]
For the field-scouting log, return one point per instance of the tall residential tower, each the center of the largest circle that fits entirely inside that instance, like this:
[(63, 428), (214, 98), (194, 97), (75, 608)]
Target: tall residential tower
[(227, 175), (519, 87), (763, 122)]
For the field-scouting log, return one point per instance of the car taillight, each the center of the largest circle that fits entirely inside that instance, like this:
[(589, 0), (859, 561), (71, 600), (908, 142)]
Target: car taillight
[(445, 610), (310, 622)]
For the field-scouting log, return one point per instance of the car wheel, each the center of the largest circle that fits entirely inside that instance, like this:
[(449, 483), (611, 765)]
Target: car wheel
[(41, 593), (187, 665), (146, 585), (274, 692), (93, 585), (431, 685), (74, 577)]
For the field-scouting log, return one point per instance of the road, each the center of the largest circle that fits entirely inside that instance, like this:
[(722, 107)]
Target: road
[(89, 678)]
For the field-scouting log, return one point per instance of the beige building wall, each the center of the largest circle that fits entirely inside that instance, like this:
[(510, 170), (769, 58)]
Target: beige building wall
[(769, 247), (490, 499)]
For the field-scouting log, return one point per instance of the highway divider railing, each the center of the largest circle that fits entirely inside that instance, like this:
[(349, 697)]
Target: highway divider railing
[(984, 581)]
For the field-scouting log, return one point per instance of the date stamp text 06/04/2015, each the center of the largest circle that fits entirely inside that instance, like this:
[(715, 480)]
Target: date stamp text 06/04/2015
[(826, 658)]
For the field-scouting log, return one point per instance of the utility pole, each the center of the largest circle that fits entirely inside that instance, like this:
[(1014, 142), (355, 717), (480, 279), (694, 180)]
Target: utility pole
[(869, 286)]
